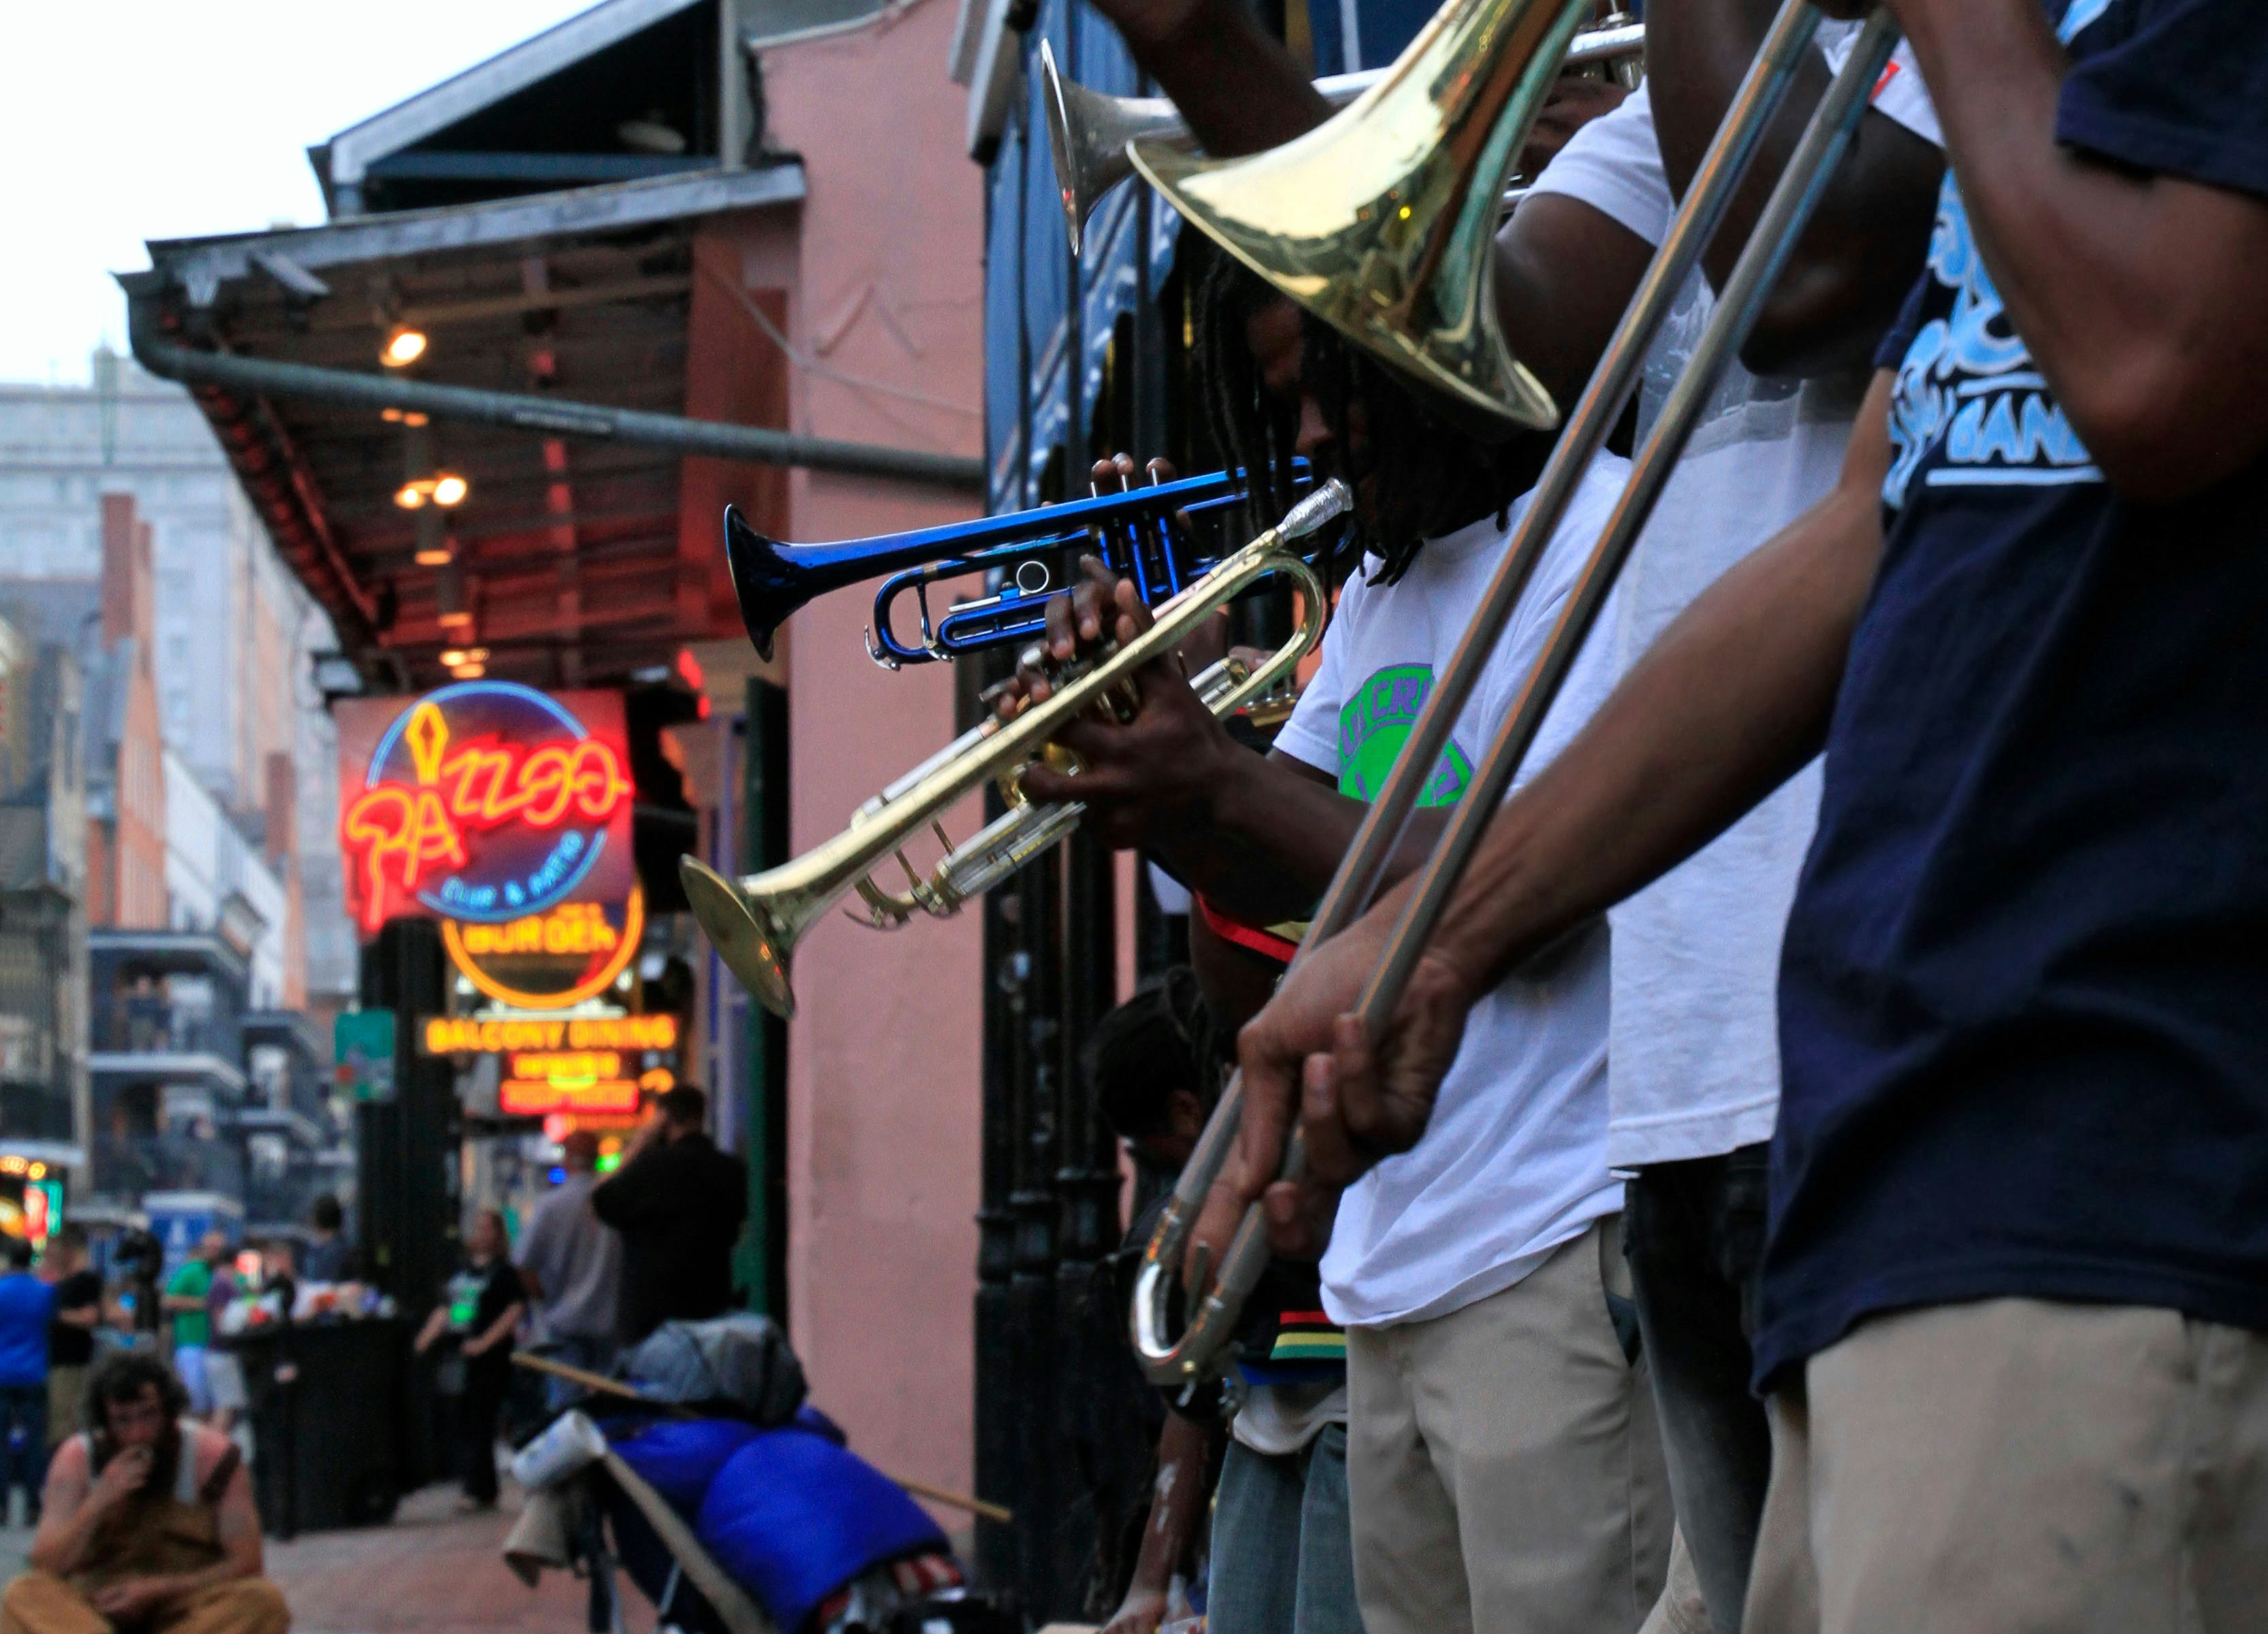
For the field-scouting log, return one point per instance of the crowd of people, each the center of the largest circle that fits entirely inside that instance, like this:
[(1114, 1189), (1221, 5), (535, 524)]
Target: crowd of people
[(1813, 1180), (130, 1454), (60, 1316)]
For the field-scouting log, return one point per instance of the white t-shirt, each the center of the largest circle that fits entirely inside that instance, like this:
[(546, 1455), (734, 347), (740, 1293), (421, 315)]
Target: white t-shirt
[(1514, 1160), (1277, 1419), (1694, 1045)]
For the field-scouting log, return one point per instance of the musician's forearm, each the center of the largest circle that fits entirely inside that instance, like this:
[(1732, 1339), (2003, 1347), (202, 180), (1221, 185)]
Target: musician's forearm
[(1732, 700), (1263, 844), (1184, 1448), (1848, 274), (1274, 838), (2134, 293), (1236, 84)]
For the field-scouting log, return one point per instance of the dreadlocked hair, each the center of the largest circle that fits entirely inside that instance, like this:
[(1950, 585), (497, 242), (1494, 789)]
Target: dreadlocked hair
[(1422, 476), (1255, 432)]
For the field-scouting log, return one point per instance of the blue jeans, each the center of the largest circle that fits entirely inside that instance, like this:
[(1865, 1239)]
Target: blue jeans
[(1695, 1232), (23, 1442), (190, 1368), (1282, 1548)]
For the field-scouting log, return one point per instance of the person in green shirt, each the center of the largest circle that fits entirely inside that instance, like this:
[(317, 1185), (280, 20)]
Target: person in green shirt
[(187, 1294)]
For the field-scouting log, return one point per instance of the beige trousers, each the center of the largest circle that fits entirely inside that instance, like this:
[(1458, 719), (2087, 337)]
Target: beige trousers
[(1504, 1471), (40, 1602), (2016, 1465)]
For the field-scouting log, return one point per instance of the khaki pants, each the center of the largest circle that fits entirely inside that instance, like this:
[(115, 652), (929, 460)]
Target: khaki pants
[(1504, 1470), (40, 1602), (2019, 1465)]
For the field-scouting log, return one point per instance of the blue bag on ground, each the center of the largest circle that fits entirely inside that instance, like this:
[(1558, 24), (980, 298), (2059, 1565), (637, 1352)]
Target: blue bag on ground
[(679, 1458), (791, 1517)]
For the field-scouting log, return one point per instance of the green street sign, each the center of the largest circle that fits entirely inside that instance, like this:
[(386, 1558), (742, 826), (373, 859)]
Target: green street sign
[(362, 1047)]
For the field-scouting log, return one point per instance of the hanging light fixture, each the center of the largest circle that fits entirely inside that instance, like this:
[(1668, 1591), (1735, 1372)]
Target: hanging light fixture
[(453, 610), (404, 346)]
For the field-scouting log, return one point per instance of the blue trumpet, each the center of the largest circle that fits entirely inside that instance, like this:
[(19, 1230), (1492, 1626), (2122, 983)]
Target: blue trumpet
[(1034, 553)]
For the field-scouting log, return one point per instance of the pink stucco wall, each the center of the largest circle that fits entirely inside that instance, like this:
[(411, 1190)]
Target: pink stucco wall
[(886, 285)]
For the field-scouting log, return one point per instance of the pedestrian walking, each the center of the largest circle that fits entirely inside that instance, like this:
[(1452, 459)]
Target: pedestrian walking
[(571, 1264), (480, 1307)]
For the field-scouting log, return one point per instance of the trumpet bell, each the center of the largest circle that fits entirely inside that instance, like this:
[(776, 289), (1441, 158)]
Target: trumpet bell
[(765, 584), (752, 949), (1087, 134), (1380, 221)]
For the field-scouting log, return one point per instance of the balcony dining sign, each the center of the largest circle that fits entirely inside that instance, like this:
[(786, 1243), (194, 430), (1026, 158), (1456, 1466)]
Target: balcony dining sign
[(504, 812)]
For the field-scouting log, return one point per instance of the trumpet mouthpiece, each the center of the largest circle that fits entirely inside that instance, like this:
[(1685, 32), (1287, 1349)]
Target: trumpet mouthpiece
[(1328, 503)]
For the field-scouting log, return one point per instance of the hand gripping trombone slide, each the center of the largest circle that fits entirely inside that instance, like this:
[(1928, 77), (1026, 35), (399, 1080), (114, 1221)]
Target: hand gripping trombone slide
[(1196, 1353), (754, 923)]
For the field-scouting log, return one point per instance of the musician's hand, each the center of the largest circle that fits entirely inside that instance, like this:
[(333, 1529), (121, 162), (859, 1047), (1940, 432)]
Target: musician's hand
[(1156, 773), (1093, 614), (1574, 101), (1141, 1612), (1358, 1100)]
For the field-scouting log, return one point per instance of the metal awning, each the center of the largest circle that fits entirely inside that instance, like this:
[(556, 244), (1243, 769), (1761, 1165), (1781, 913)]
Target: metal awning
[(567, 550)]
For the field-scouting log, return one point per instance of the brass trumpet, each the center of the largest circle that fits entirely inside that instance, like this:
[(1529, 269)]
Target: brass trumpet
[(1088, 130), (754, 923)]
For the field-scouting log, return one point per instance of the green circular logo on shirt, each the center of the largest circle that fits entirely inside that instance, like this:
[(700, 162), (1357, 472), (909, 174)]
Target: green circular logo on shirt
[(1373, 726)]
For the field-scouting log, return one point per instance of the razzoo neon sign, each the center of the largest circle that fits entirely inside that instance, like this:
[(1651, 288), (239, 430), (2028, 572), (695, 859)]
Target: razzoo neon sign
[(486, 802)]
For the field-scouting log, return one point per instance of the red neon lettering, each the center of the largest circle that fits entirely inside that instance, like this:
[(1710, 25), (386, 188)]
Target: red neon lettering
[(399, 830), (488, 787)]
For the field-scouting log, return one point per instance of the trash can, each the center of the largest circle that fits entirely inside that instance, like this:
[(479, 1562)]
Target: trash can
[(327, 1410)]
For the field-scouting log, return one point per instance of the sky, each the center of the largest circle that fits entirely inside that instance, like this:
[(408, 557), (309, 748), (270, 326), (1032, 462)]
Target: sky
[(126, 120)]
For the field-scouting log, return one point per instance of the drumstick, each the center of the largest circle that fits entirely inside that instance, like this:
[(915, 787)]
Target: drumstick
[(605, 1386)]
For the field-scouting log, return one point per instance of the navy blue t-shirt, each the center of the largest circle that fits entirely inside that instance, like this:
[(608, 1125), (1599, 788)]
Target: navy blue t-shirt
[(2024, 987)]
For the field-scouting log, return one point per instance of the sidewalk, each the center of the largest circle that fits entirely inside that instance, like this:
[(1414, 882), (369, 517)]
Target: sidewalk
[(432, 1571)]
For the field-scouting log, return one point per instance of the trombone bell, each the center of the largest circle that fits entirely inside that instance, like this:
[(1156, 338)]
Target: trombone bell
[(749, 949), (1381, 220)]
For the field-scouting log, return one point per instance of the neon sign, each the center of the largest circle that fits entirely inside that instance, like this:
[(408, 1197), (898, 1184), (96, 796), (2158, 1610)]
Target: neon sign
[(571, 1081), (485, 802), (452, 1034), (548, 961)]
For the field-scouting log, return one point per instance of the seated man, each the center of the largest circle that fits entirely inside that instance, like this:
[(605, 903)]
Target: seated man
[(147, 1523)]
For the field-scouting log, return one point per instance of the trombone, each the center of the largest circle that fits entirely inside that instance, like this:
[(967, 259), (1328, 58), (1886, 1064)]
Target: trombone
[(1311, 248), (1088, 130), (755, 921)]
